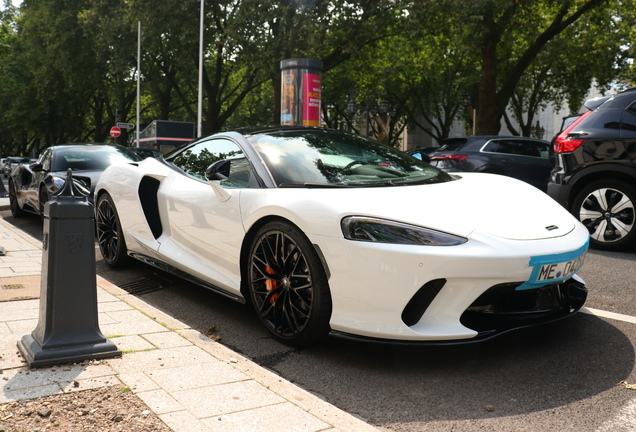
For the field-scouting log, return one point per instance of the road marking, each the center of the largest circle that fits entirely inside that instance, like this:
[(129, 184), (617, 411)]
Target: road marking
[(610, 315), (625, 421)]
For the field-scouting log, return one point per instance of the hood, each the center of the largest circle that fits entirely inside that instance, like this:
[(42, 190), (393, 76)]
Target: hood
[(491, 204)]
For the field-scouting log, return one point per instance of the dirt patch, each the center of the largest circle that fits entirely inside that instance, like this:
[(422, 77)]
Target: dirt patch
[(112, 409), (19, 288)]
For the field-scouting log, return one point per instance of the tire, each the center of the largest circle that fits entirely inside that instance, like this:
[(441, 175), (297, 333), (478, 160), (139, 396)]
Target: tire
[(607, 209), (288, 286), (16, 210), (109, 233)]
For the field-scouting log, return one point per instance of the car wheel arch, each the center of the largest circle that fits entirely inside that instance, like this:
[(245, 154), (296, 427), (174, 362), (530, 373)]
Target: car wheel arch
[(596, 173), (246, 244), (249, 238)]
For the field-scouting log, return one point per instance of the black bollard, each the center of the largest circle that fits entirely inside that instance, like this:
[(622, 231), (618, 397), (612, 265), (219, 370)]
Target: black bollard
[(67, 329)]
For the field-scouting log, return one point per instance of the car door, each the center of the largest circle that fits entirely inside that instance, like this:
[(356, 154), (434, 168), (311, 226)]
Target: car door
[(204, 230), (524, 159), (32, 180), (628, 131)]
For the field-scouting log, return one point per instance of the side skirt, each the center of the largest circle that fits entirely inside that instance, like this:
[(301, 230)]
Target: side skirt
[(183, 275)]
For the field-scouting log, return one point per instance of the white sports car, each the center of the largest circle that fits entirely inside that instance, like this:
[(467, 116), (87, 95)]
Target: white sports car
[(328, 232)]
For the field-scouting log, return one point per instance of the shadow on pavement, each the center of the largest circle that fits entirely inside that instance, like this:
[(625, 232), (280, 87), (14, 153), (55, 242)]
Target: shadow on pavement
[(520, 372)]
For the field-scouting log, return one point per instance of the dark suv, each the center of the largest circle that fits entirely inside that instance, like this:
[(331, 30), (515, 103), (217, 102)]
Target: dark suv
[(526, 159), (595, 171)]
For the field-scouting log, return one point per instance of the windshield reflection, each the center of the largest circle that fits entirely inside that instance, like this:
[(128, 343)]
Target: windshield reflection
[(318, 157)]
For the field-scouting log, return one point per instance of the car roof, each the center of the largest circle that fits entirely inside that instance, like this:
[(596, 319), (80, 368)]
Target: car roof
[(272, 128)]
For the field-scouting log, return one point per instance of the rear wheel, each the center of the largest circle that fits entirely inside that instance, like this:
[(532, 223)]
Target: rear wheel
[(109, 234), (16, 210), (288, 285), (607, 209)]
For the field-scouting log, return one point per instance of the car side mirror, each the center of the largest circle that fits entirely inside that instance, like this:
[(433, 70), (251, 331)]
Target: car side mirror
[(219, 170), (36, 167)]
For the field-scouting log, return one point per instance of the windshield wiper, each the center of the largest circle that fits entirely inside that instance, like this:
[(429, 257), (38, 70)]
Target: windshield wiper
[(313, 185)]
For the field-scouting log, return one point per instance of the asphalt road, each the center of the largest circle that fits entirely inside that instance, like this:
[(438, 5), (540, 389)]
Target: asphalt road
[(557, 377)]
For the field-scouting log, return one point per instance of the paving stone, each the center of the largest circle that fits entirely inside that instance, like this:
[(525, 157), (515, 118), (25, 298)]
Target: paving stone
[(148, 361), (138, 381), (267, 419), (226, 398), (183, 421), (166, 340), (199, 375), (160, 401), (132, 343)]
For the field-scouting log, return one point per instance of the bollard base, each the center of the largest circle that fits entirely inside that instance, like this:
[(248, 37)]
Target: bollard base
[(36, 356)]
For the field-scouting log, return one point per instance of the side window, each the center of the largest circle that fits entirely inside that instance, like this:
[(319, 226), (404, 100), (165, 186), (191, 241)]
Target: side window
[(45, 160), (196, 160), (543, 149), (496, 146), (628, 123), (526, 148)]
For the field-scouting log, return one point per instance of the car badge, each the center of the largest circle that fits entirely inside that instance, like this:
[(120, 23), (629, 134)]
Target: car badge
[(551, 227)]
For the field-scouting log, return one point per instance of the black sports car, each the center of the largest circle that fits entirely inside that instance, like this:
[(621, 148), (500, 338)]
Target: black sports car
[(31, 186)]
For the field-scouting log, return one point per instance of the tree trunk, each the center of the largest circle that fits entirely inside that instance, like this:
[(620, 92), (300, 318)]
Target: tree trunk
[(487, 117)]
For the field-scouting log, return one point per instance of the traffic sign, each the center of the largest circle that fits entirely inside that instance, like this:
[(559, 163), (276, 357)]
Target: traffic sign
[(125, 125), (115, 131)]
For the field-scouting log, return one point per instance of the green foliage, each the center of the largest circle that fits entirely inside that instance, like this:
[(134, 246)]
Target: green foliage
[(68, 68)]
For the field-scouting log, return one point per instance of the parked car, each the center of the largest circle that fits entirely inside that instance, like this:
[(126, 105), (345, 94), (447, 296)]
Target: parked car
[(324, 231), (31, 186), (11, 162), (595, 172), (526, 159)]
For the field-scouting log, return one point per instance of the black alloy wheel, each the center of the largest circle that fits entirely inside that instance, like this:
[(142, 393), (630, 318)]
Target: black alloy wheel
[(288, 286), (16, 211), (607, 209), (109, 234)]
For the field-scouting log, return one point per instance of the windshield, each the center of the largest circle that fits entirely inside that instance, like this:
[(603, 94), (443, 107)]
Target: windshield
[(89, 158), (324, 158)]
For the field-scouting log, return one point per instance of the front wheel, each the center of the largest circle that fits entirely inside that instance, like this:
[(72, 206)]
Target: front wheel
[(16, 210), (109, 233), (288, 285), (607, 209)]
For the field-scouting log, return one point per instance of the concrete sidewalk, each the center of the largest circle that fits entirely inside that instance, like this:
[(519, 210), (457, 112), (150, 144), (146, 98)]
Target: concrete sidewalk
[(191, 382)]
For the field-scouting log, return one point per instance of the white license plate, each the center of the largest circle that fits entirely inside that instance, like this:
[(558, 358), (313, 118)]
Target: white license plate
[(560, 270)]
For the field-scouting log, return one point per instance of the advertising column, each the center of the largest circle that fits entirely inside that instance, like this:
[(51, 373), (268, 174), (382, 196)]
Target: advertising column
[(300, 92)]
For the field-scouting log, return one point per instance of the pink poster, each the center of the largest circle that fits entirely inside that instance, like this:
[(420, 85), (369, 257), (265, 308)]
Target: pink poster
[(311, 99)]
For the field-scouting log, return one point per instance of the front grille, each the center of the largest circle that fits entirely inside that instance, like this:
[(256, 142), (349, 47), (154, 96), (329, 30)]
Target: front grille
[(502, 307)]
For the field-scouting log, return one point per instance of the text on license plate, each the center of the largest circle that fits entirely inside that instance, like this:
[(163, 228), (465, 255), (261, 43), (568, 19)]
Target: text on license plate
[(560, 270)]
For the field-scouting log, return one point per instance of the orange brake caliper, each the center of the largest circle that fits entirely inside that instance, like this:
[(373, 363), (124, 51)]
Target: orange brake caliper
[(271, 284)]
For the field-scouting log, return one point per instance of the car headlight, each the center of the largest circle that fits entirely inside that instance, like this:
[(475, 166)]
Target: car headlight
[(370, 229), (58, 183)]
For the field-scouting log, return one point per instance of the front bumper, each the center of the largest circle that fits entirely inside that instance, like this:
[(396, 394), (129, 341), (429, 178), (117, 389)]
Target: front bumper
[(560, 193), (441, 294)]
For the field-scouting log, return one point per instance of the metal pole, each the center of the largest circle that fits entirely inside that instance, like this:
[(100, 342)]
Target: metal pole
[(138, 75), (367, 115), (474, 121), (200, 103)]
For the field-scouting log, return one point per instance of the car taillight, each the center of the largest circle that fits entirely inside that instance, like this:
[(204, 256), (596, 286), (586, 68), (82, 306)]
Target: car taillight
[(455, 157), (564, 145)]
